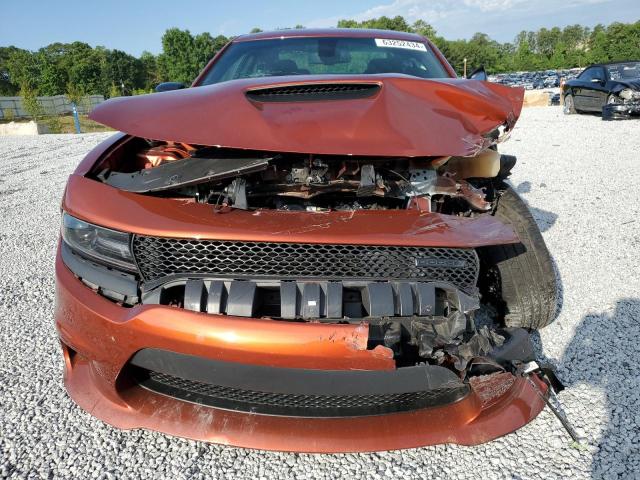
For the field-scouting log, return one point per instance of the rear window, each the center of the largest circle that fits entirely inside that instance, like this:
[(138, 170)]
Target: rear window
[(624, 71), (324, 56)]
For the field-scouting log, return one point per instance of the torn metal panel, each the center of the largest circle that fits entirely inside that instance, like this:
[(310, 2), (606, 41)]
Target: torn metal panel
[(148, 215), (456, 113)]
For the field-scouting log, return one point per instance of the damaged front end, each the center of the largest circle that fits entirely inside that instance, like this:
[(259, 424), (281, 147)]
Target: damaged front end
[(419, 301), (309, 290), (623, 104)]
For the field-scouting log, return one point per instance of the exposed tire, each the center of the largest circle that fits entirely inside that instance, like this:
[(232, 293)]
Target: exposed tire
[(519, 279), (569, 105)]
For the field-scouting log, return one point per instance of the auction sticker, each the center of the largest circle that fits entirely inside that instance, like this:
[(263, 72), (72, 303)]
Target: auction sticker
[(387, 42)]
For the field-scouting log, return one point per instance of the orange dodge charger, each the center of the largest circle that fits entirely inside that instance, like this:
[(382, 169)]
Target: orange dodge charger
[(290, 253)]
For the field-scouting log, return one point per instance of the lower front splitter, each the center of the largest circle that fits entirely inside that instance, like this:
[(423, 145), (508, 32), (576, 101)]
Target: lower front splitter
[(473, 420), (294, 392)]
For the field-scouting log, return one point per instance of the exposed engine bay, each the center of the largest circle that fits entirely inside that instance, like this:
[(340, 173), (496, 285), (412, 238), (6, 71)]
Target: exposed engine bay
[(422, 312), (285, 181)]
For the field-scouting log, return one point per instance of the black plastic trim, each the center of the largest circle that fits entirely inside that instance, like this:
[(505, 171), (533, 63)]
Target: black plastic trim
[(164, 259), (185, 172), (310, 92), (313, 300), (114, 280), (517, 346), (432, 385)]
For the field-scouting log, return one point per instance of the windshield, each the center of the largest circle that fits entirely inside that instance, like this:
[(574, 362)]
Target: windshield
[(624, 71), (324, 56)]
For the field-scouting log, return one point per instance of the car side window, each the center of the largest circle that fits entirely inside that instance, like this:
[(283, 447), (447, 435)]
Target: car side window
[(591, 74), (587, 75), (598, 73)]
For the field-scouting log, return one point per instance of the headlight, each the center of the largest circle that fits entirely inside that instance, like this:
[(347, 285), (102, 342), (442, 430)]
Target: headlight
[(102, 244)]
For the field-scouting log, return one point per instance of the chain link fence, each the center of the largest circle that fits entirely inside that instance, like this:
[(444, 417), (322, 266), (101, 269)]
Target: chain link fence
[(12, 107)]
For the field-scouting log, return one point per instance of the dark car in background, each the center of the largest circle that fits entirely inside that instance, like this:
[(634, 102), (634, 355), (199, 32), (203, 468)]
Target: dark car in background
[(613, 89)]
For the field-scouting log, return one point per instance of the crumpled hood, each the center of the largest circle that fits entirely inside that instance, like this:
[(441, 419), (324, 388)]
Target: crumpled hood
[(407, 116), (633, 84)]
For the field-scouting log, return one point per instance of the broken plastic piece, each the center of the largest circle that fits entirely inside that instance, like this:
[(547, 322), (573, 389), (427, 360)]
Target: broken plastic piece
[(551, 400), (182, 173), (238, 193), (484, 165)]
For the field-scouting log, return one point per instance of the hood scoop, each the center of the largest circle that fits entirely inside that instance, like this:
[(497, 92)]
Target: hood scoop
[(313, 92)]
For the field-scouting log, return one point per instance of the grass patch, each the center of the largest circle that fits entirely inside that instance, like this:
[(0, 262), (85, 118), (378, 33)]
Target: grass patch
[(64, 124)]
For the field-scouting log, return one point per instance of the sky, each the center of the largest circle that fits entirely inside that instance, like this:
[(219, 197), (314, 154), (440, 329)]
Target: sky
[(137, 25)]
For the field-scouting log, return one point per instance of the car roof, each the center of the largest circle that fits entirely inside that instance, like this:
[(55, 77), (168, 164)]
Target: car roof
[(612, 63), (331, 32)]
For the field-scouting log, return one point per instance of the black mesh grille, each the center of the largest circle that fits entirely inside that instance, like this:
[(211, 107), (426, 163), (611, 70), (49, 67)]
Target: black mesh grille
[(158, 257), (318, 91), (295, 404)]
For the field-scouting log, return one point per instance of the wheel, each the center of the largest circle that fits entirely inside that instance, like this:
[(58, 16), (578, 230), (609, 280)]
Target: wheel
[(569, 106), (519, 279)]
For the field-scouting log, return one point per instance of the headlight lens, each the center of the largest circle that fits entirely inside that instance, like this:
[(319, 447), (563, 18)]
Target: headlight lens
[(102, 244)]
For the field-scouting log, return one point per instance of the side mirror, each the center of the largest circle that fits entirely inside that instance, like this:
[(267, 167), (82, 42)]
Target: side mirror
[(167, 86), (478, 74)]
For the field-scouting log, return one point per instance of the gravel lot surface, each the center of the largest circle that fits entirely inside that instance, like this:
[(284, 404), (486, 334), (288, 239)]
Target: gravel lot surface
[(581, 177)]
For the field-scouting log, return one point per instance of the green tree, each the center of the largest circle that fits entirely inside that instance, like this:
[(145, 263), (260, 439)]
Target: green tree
[(598, 45), (53, 67), (385, 23), (150, 75), (30, 102), (122, 69), (52, 77), (558, 57), (183, 56), (178, 58), (7, 86), (623, 41), (547, 41), (423, 28), (205, 48), (114, 91), (85, 67), (23, 68), (524, 58)]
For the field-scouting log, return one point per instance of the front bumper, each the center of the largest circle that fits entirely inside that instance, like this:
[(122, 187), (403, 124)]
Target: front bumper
[(100, 339), (620, 111)]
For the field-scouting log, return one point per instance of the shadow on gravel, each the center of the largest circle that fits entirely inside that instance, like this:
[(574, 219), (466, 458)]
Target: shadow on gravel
[(604, 357), (544, 218)]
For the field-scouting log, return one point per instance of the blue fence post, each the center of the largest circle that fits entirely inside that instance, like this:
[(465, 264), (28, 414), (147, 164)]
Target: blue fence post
[(76, 119)]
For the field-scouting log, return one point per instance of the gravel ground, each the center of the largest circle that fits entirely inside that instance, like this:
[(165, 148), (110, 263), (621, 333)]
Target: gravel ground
[(581, 178)]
